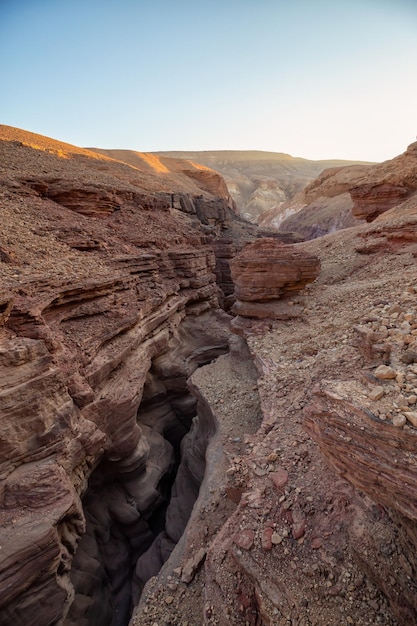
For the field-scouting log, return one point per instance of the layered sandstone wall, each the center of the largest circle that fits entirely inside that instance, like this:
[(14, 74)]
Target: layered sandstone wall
[(267, 275), (101, 272)]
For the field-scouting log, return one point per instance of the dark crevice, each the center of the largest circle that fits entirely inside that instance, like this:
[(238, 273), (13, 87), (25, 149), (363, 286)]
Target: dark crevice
[(137, 508)]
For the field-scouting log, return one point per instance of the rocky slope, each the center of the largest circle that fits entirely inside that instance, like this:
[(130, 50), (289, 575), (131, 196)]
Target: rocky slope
[(313, 520), (259, 180), (340, 196), (130, 402)]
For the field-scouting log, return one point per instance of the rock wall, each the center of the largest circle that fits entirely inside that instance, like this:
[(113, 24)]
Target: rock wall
[(137, 507), (102, 275), (256, 180)]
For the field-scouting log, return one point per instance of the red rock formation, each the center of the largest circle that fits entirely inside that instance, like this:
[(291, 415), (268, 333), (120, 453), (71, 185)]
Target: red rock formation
[(266, 271), (98, 276), (103, 317), (365, 428), (392, 231), (323, 206), (338, 195), (385, 186), (372, 199)]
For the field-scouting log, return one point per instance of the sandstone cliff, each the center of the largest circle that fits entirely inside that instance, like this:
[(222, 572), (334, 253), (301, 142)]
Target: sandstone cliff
[(105, 268), (341, 196)]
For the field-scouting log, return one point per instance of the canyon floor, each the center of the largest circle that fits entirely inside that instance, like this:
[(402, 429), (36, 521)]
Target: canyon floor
[(282, 535)]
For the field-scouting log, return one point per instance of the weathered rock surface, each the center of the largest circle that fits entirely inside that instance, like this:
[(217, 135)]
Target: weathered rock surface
[(322, 207), (307, 510), (372, 199), (267, 271), (370, 438), (316, 533), (340, 195), (387, 185), (391, 231), (103, 268)]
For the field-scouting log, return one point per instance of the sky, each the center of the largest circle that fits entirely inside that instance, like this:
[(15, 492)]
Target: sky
[(317, 79)]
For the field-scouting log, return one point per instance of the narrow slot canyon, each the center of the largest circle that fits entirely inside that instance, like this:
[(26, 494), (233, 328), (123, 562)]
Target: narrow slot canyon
[(137, 508)]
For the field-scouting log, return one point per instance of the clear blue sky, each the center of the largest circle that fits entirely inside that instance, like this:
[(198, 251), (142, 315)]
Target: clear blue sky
[(313, 78)]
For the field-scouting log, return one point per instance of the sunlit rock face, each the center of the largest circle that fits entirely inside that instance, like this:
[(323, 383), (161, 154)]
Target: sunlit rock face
[(372, 199), (258, 181)]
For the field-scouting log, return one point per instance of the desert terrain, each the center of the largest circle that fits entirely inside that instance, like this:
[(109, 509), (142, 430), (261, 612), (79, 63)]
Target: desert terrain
[(258, 181), (203, 422)]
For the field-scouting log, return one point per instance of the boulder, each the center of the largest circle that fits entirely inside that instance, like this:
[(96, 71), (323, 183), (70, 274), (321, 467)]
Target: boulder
[(267, 271)]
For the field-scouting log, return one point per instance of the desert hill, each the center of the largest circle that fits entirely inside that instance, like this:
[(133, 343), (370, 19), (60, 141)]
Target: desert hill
[(334, 200), (259, 180), (146, 172), (165, 462)]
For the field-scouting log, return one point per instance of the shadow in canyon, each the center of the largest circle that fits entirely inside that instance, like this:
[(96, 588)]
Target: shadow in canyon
[(137, 508)]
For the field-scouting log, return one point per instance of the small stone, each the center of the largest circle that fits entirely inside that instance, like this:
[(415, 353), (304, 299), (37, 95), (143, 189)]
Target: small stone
[(412, 417), (399, 420), (244, 538), (411, 399), (376, 393), (384, 372), (191, 566), (395, 309), (316, 543), (276, 539), (400, 378), (279, 478), (169, 599), (272, 457), (373, 604), (299, 529), (266, 540), (409, 357)]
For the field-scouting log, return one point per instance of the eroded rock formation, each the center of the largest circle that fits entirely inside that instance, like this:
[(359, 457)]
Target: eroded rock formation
[(267, 274), (117, 368), (366, 430), (321, 499), (323, 206), (102, 278), (387, 185), (339, 196)]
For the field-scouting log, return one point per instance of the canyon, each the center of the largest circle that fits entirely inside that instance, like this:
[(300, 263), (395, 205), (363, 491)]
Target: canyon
[(259, 180), (203, 421)]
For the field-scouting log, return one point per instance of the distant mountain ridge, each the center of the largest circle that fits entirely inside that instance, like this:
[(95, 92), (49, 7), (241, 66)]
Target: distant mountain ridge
[(259, 180)]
